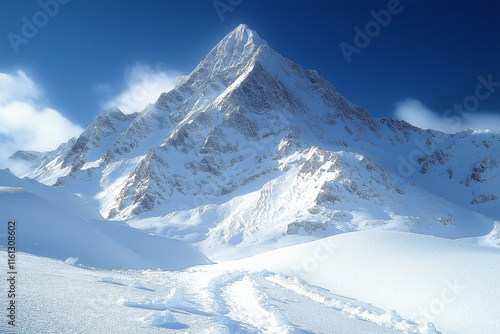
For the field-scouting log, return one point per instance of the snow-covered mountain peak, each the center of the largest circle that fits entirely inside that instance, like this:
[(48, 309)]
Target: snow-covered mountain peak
[(243, 34), (233, 53), (233, 126), (112, 112)]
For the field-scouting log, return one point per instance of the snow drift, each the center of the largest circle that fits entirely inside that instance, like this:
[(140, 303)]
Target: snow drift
[(53, 223), (452, 284)]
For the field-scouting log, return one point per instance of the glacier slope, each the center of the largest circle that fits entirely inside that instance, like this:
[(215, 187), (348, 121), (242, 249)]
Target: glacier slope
[(319, 193)]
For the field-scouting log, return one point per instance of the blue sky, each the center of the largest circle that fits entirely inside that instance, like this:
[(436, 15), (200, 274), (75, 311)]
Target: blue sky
[(84, 55)]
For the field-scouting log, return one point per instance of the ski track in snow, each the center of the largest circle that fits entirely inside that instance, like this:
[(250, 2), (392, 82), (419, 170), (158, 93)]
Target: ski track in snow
[(201, 300)]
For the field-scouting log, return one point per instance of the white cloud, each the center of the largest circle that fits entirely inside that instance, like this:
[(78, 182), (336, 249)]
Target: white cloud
[(18, 87), (417, 114), (26, 122), (143, 86)]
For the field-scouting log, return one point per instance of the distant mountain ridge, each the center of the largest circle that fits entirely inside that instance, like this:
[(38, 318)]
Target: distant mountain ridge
[(250, 148)]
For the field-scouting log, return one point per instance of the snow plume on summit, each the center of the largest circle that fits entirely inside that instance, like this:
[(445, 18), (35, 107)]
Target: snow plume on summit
[(143, 85)]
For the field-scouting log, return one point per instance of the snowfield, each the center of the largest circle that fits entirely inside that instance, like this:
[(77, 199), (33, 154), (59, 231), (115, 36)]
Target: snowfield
[(450, 283), (54, 223), (359, 282)]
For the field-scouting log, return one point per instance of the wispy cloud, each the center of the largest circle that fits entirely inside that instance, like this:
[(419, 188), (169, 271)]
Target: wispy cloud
[(26, 121), (143, 85), (416, 113)]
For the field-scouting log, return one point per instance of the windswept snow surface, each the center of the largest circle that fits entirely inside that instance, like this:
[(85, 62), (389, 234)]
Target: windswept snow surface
[(55, 297), (491, 239), (450, 283), (360, 282), (51, 222)]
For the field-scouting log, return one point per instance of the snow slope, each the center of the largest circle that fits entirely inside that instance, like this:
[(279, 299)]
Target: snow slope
[(449, 283), (318, 194), (351, 283), (491, 239), (51, 222), (70, 299)]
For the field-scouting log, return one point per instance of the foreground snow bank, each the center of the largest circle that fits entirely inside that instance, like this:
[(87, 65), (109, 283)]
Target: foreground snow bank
[(55, 297), (451, 284), (53, 223), (163, 319), (491, 239)]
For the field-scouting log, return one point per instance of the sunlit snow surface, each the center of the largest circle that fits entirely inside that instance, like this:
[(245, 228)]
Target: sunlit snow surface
[(51, 222), (360, 282)]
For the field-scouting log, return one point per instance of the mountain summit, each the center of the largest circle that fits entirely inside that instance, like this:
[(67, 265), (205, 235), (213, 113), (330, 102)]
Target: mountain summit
[(251, 148), (236, 51), (242, 35)]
